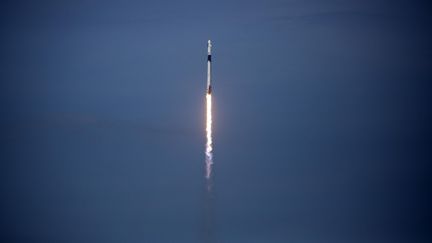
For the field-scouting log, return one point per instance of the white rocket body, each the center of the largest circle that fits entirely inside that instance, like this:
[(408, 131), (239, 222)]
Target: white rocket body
[(209, 88)]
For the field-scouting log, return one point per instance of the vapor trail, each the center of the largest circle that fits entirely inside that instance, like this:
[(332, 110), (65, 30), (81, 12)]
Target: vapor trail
[(209, 144)]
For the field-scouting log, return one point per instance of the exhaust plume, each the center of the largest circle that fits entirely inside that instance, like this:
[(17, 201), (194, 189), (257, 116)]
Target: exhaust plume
[(209, 144)]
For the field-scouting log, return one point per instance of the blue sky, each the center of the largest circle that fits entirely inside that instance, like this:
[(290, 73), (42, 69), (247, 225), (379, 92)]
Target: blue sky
[(321, 121)]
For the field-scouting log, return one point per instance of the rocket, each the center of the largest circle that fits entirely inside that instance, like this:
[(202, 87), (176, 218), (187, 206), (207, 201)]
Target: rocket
[(209, 87)]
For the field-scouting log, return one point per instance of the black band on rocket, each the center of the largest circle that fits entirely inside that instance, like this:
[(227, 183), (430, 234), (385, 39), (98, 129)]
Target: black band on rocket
[(209, 58)]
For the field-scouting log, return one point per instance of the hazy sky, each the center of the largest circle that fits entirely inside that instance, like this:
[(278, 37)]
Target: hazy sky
[(321, 121)]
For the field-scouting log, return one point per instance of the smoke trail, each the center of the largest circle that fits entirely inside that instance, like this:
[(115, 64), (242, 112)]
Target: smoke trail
[(209, 144), (209, 218)]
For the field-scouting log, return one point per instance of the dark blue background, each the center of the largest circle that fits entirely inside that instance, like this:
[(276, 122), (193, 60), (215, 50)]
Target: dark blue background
[(321, 121)]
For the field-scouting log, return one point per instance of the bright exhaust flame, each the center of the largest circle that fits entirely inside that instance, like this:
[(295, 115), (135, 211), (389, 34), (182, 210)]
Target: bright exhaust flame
[(209, 144)]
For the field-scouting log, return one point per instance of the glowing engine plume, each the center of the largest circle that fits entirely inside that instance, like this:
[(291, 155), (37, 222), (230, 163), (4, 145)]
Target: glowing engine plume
[(209, 144)]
